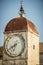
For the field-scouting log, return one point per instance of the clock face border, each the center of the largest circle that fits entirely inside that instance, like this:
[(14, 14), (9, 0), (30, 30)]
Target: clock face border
[(8, 40)]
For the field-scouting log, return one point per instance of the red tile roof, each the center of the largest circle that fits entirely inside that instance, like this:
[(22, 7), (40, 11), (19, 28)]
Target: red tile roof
[(20, 23)]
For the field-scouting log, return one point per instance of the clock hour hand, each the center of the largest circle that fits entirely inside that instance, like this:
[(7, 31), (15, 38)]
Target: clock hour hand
[(13, 46)]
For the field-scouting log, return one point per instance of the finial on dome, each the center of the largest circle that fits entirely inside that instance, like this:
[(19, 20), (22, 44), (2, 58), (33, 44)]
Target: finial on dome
[(21, 2), (21, 9)]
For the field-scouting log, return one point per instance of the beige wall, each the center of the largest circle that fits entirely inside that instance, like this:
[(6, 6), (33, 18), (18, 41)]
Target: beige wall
[(33, 54)]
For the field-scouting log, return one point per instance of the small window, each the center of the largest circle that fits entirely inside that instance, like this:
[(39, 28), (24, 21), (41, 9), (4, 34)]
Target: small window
[(33, 46)]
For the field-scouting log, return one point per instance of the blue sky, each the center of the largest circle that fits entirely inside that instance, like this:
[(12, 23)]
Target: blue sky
[(10, 9)]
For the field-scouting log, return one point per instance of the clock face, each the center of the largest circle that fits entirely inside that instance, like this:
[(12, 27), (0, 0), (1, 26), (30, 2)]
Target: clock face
[(15, 45)]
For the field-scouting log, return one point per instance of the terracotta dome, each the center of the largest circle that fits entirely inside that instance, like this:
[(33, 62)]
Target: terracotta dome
[(20, 23)]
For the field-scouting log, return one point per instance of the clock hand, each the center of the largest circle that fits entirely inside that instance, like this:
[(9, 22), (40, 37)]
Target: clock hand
[(10, 47), (13, 46)]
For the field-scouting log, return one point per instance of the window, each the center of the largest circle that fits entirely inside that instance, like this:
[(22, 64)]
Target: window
[(33, 46)]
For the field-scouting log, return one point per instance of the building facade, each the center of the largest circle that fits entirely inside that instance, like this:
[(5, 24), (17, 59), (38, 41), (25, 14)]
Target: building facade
[(18, 48), (21, 42)]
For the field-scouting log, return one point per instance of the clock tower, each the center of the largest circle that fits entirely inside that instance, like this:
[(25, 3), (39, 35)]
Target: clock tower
[(21, 42)]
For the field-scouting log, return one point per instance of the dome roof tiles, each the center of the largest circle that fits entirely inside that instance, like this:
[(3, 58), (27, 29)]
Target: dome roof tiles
[(20, 23)]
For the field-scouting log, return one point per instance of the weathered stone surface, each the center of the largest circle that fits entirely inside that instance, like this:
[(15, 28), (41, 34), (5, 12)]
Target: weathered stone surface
[(15, 62)]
